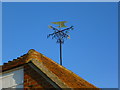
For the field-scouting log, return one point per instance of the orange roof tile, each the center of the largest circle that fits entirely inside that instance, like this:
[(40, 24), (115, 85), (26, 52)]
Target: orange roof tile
[(68, 77)]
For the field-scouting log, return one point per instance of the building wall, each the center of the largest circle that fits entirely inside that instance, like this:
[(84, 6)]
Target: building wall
[(12, 79), (34, 80)]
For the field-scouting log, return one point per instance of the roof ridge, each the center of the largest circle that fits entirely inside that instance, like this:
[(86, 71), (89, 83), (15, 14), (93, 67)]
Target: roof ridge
[(25, 58), (13, 60)]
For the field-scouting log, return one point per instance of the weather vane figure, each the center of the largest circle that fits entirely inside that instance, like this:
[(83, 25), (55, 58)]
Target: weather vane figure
[(60, 34)]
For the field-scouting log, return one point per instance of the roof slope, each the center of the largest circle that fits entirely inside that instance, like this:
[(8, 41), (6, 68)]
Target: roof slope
[(70, 79)]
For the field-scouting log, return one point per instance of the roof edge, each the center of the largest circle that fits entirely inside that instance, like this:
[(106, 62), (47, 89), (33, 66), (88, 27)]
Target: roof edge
[(52, 76)]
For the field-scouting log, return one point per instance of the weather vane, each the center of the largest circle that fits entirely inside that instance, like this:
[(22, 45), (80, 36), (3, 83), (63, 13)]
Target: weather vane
[(60, 34)]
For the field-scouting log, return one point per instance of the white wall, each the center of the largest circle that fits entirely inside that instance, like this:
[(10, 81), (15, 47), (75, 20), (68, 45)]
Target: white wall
[(13, 79)]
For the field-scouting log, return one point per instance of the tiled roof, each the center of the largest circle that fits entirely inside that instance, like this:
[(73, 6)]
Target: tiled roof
[(66, 76)]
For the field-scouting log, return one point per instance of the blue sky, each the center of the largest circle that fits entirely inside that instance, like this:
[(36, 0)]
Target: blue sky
[(92, 50), (1, 32)]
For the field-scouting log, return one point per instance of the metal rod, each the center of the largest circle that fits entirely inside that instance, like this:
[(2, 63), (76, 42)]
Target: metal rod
[(60, 52), (60, 35)]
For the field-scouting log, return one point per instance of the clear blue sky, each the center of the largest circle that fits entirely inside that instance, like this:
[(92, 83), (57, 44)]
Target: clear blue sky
[(92, 51)]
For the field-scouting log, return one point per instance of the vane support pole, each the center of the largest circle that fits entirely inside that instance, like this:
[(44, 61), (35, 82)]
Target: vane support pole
[(60, 52), (60, 35)]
